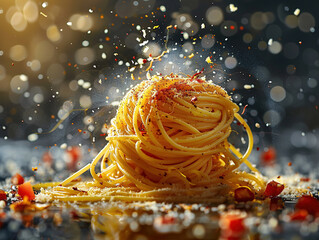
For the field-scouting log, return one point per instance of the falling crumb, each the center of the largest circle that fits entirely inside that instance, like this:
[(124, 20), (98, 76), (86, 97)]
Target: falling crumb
[(44, 15), (247, 86), (270, 41), (233, 8), (208, 60), (296, 12), (191, 56)]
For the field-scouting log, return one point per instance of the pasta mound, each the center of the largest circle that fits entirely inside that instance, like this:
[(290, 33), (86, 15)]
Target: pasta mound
[(168, 141)]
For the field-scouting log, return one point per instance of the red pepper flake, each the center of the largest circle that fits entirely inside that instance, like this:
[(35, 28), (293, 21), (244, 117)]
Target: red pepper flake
[(144, 61), (17, 179), (244, 109), (196, 74), (3, 195), (142, 129), (273, 189), (289, 164), (308, 203), (268, 157), (244, 194), (194, 99)]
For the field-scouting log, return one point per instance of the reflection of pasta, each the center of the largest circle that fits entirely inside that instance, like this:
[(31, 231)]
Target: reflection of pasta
[(168, 141)]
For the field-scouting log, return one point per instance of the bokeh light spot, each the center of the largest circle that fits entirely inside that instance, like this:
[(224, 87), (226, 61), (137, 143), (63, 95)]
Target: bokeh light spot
[(275, 47), (53, 33), (306, 21), (208, 41), (19, 84), (84, 56), (85, 101), (278, 93), (230, 62), (18, 53), (214, 15), (272, 117), (31, 11), (18, 22)]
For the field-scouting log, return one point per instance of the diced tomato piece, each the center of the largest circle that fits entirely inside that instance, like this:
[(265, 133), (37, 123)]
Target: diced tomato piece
[(299, 215), (244, 194), (47, 158), (306, 179), (17, 179), (308, 203), (273, 189), (74, 154), (26, 189), (268, 157), (232, 225), (168, 219), (3, 195)]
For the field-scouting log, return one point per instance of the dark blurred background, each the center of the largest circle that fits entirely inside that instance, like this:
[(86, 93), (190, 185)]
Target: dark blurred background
[(64, 66)]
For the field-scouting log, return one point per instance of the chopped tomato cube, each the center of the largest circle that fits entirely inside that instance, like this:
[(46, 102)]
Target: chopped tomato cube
[(268, 157), (244, 194), (3, 195), (273, 189), (47, 158), (168, 220), (17, 179), (26, 189), (304, 179), (299, 215), (74, 154), (308, 203), (232, 225)]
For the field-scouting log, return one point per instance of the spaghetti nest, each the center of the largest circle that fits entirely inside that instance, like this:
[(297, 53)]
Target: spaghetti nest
[(168, 142)]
